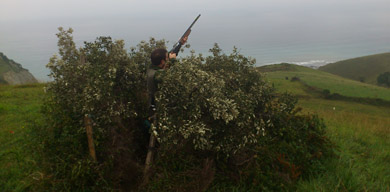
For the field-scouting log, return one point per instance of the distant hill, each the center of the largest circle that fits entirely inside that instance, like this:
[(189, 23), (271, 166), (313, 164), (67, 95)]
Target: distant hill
[(296, 79), (365, 69), (13, 73)]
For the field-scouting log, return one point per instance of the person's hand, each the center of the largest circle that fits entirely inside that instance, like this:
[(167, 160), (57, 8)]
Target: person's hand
[(184, 40), (172, 55)]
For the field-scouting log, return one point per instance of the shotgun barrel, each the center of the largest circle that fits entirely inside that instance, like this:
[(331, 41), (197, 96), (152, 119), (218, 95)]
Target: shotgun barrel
[(177, 46)]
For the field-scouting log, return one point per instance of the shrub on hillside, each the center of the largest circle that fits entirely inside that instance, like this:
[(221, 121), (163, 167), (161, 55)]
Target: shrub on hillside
[(384, 79), (102, 81), (217, 105), (295, 78), (219, 122), (219, 119)]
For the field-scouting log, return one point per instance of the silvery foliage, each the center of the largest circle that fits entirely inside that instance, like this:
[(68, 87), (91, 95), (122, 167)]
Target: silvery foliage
[(99, 79), (218, 103)]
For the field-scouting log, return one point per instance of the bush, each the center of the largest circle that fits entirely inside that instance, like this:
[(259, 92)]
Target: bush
[(218, 106), (219, 119), (295, 78), (102, 81), (384, 79), (220, 125)]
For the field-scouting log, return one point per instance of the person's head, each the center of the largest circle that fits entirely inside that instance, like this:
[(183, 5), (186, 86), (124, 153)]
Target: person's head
[(159, 56)]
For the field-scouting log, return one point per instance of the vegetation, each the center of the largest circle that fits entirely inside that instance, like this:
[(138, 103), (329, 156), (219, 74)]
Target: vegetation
[(365, 69), (317, 81), (19, 162), (219, 105), (360, 132), (242, 132), (102, 82), (47, 150), (239, 131), (384, 79)]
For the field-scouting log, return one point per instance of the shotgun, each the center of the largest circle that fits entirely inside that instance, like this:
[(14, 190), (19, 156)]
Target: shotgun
[(178, 44)]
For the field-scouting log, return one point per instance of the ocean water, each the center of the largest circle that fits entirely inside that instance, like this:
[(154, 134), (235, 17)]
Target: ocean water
[(32, 42)]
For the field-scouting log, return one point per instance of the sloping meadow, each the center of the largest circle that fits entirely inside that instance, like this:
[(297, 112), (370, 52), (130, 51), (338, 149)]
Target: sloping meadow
[(219, 124)]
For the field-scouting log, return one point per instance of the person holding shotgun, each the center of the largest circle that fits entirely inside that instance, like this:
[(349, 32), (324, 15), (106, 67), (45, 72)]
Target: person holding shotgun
[(160, 62), (161, 59)]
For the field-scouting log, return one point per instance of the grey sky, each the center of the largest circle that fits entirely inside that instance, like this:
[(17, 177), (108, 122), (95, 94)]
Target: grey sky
[(258, 28), (279, 11), (264, 16)]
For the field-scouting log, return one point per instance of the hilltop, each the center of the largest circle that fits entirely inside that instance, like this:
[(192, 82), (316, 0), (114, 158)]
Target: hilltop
[(307, 78), (365, 69), (13, 73)]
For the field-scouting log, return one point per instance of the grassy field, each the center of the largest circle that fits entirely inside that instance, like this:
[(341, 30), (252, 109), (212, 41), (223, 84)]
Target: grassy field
[(362, 136), (360, 132), (365, 68), (277, 75), (19, 108)]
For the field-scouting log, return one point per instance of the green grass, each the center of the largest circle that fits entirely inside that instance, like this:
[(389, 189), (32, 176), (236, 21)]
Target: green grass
[(322, 81), (362, 136), (365, 68), (19, 108), (360, 132)]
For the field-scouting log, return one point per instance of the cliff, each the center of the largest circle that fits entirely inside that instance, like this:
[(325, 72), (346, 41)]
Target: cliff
[(13, 73)]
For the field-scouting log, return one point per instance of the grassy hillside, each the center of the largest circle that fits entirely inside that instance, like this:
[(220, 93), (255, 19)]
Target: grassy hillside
[(364, 69), (8, 65), (360, 132), (19, 108), (320, 80)]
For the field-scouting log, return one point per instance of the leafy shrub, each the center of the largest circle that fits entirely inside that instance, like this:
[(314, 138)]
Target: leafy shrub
[(219, 119), (102, 81), (220, 125), (295, 78), (326, 93), (362, 79), (216, 107), (384, 79)]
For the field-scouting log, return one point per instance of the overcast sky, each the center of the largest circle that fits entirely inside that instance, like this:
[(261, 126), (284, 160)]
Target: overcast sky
[(256, 26), (279, 12), (270, 19)]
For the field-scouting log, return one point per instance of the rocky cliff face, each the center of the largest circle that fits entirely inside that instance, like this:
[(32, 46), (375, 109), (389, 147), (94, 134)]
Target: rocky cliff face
[(22, 77), (13, 73)]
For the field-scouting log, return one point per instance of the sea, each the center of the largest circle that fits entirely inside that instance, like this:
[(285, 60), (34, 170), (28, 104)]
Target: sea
[(32, 42)]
